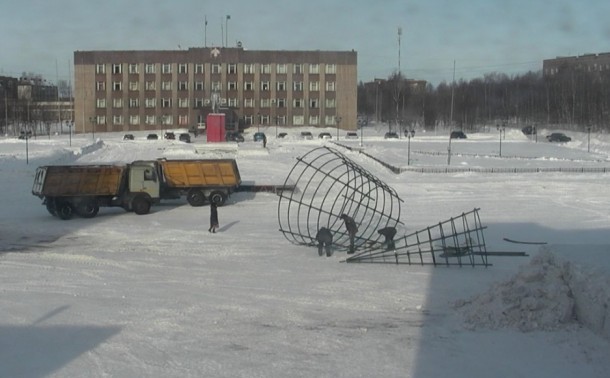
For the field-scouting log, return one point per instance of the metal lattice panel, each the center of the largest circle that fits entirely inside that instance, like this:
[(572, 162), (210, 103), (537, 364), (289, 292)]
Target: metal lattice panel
[(327, 185)]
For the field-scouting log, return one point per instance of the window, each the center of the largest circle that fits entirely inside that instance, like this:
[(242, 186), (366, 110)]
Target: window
[(182, 68), (166, 102), (150, 102), (100, 103), (281, 102), (329, 120), (266, 68), (281, 85), (149, 68), (134, 119), (281, 68), (314, 120), (183, 102), (216, 68), (134, 102), (297, 102), (232, 86), (133, 85), (297, 86), (150, 120), (233, 102), (330, 86), (314, 103), (314, 68), (100, 69), (133, 68), (281, 120), (199, 85), (166, 68), (248, 103), (330, 69), (150, 85), (265, 102), (199, 68), (249, 86), (117, 86), (117, 119), (183, 120), (100, 120), (232, 68), (100, 85), (167, 120), (330, 102), (297, 69), (298, 120), (166, 85), (117, 103), (117, 68), (249, 68), (199, 102), (216, 86), (314, 86), (265, 86), (183, 85)]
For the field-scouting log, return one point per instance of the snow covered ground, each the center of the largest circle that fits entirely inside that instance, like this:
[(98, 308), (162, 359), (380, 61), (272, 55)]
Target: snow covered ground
[(123, 295)]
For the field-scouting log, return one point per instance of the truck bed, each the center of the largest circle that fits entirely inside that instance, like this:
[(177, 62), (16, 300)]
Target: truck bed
[(200, 173), (99, 180)]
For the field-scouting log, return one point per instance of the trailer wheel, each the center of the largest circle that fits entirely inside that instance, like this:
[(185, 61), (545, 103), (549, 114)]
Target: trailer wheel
[(140, 205), (195, 197), (218, 198), (88, 209), (64, 210)]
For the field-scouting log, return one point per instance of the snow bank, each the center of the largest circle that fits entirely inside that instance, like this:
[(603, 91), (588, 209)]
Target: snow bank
[(547, 294)]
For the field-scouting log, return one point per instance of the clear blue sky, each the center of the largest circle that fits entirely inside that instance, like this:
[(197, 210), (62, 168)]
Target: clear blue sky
[(481, 36)]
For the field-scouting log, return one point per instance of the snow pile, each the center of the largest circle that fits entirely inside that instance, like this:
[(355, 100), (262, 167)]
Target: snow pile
[(547, 294), (538, 297)]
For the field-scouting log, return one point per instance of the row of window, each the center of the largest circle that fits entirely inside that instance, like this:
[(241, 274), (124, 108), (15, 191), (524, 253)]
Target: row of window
[(183, 120), (314, 103), (216, 68), (297, 86)]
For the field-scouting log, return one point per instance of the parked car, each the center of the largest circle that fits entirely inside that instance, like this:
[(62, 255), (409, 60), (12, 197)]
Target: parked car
[(282, 135), (152, 137), (234, 136), (259, 136), (128, 137), (169, 135), (325, 136), (558, 137), (351, 135), (457, 135), (185, 137), (529, 130), (306, 135), (390, 135)]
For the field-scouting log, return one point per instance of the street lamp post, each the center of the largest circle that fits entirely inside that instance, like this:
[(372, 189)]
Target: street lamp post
[(69, 124), (588, 138), (409, 135), (501, 129), (337, 121), (92, 120)]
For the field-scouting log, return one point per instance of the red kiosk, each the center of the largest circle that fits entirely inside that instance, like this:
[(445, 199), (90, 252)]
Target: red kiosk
[(215, 127)]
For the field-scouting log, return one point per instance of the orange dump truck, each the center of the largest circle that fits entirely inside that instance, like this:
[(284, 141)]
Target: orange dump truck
[(83, 189)]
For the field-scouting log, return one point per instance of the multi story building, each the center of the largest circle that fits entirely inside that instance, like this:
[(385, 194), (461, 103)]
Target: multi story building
[(586, 63), (152, 90)]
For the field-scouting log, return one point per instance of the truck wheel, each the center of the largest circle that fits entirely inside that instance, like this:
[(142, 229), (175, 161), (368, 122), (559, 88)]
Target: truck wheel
[(218, 198), (51, 207), (88, 209), (195, 197), (64, 210), (140, 205)]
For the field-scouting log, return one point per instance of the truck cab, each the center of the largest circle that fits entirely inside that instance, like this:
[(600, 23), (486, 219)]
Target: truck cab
[(144, 186)]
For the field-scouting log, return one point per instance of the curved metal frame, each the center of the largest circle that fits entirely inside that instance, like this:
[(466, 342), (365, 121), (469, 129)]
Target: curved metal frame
[(328, 184)]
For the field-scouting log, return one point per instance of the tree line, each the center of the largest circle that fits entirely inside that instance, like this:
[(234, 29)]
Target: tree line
[(570, 99)]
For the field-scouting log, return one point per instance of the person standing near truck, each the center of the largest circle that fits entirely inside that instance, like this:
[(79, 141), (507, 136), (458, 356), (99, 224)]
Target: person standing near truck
[(352, 229), (213, 218)]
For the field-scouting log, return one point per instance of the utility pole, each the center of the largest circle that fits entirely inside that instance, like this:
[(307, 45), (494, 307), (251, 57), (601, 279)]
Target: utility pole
[(452, 95), (205, 31)]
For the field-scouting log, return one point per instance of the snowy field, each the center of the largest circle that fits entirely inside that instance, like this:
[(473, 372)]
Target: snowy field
[(122, 295)]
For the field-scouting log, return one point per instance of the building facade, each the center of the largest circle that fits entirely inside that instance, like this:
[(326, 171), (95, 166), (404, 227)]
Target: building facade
[(586, 63), (154, 90)]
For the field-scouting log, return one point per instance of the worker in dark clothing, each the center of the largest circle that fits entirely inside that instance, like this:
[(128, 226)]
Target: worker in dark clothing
[(213, 218), (352, 229), (388, 233), (264, 141), (325, 241)]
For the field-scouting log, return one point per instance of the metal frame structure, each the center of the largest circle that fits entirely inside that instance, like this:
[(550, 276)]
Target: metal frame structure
[(327, 185)]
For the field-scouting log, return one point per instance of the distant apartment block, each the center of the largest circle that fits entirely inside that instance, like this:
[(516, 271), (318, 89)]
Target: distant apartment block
[(586, 63), (153, 90)]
